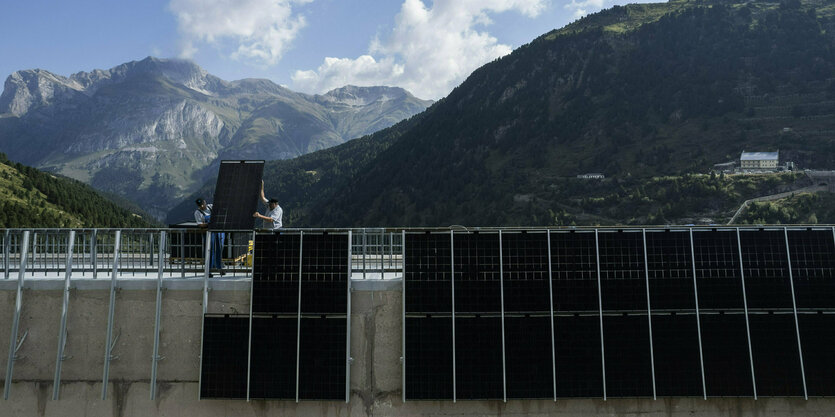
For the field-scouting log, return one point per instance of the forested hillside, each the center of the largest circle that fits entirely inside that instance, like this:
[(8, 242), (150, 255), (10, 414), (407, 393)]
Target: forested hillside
[(649, 95), (31, 198)]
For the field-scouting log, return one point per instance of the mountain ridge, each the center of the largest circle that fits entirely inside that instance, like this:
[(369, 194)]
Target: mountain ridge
[(150, 130)]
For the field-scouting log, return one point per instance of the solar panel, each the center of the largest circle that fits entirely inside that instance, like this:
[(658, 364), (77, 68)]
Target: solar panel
[(477, 278), (273, 358), (429, 358), (478, 357), (237, 193), (813, 267), (428, 282), (574, 272), (622, 274), (718, 277), (525, 274), (528, 356), (670, 271), (818, 356), (322, 358), (628, 364), (776, 359), (224, 357), (275, 278), (675, 342), (764, 261), (578, 355), (324, 273), (725, 350)]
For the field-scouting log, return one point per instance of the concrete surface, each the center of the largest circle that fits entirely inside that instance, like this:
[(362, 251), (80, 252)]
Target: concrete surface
[(375, 372)]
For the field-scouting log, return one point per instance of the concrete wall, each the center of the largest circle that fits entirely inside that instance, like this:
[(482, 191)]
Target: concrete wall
[(375, 373)]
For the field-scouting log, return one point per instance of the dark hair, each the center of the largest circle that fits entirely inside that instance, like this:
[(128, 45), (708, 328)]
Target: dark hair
[(272, 200), (199, 201)]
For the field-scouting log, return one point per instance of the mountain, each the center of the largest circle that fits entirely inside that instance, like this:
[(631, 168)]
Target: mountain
[(32, 198), (646, 94), (150, 130)]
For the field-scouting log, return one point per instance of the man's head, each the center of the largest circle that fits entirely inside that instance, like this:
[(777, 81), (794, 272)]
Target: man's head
[(201, 203), (273, 203)]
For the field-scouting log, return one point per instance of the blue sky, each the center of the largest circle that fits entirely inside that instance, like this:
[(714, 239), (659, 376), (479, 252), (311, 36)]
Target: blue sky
[(425, 46)]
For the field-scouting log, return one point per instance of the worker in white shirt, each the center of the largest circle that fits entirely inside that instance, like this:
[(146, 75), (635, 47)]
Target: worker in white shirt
[(272, 221)]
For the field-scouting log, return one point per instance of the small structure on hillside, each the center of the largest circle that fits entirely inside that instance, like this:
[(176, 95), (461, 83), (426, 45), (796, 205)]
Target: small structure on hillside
[(591, 176), (766, 161)]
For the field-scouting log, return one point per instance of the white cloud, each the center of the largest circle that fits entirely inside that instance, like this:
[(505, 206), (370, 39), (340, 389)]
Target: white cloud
[(429, 51), (260, 30)]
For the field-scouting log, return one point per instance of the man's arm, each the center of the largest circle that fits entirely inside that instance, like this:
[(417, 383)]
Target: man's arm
[(258, 215), (263, 198)]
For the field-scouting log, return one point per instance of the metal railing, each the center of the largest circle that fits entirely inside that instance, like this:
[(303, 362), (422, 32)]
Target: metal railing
[(376, 253)]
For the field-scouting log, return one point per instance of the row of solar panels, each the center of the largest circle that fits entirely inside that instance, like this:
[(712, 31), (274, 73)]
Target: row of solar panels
[(619, 313), (295, 345), (589, 313)]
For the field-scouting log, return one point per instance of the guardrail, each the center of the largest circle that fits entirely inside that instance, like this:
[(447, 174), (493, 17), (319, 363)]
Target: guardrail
[(92, 253)]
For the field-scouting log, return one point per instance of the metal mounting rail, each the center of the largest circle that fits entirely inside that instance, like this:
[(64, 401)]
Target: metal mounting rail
[(14, 345), (62, 332), (110, 342), (155, 358)]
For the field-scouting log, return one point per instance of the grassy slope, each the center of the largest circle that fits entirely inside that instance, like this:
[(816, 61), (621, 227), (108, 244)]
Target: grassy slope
[(31, 198)]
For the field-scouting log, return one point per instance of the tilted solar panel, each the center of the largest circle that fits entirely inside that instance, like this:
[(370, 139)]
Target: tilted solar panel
[(237, 194)]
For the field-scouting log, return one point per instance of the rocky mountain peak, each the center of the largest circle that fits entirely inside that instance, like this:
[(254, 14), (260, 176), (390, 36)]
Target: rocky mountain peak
[(28, 89), (178, 71), (352, 95)]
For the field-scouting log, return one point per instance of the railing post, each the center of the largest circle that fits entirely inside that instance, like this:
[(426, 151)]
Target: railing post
[(382, 255), (155, 358), (745, 304), (183, 235), (94, 252), (364, 252), (794, 308), (698, 318), (7, 241), (34, 252), (13, 343), (62, 332), (109, 343)]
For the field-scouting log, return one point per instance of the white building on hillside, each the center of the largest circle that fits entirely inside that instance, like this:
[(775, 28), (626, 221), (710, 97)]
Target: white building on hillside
[(759, 160)]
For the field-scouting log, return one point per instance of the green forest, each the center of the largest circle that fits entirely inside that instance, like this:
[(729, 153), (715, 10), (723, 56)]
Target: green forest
[(32, 198)]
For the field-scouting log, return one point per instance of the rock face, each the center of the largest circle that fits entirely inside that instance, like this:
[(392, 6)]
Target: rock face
[(151, 130)]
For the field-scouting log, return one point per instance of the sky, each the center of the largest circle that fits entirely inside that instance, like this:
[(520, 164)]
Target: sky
[(427, 47)]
